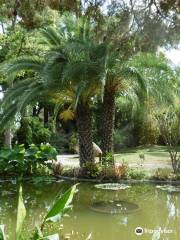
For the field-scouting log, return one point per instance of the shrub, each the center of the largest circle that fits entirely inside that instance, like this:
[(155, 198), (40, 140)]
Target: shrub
[(31, 131), (121, 170), (109, 159), (135, 174), (117, 140), (169, 126), (60, 141), (162, 174), (91, 170), (73, 143), (26, 161), (24, 133)]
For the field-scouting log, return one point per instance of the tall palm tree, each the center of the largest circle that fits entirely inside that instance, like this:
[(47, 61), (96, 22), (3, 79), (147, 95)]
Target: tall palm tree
[(74, 64), (121, 75)]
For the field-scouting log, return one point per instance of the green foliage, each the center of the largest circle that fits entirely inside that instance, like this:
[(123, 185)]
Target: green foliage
[(117, 140), (136, 174), (24, 133), (162, 174), (32, 130), (108, 159), (2, 234), (91, 170), (73, 143), (40, 133), (73, 65), (21, 161), (21, 214), (169, 126), (60, 141), (61, 205)]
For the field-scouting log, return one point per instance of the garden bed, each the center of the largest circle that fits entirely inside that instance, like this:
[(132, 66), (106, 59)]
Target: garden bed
[(77, 179)]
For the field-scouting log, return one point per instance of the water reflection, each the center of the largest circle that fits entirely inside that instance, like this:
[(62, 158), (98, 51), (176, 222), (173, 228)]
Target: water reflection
[(157, 209)]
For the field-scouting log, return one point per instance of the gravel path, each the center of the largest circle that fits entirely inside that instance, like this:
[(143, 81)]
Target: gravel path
[(68, 160)]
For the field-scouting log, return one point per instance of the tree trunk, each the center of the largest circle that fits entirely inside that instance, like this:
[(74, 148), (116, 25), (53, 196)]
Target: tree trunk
[(8, 138), (84, 128), (46, 116), (108, 116)]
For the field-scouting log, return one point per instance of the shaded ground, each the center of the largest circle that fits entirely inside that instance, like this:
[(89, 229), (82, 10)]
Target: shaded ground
[(154, 157)]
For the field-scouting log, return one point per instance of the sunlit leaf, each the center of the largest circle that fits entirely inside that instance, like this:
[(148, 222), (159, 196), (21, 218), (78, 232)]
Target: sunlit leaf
[(60, 206), (67, 115), (2, 234), (51, 237), (21, 213), (89, 236)]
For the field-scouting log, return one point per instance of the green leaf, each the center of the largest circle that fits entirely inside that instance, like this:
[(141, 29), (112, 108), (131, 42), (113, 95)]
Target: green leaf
[(39, 235), (21, 213), (60, 206), (2, 234)]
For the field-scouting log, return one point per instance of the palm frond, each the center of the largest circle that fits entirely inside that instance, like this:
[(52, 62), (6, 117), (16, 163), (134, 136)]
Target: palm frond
[(24, 64), (51, 36)]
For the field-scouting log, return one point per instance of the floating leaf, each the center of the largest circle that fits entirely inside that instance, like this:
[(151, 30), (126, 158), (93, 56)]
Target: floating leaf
[(168, 188), (112, 186)]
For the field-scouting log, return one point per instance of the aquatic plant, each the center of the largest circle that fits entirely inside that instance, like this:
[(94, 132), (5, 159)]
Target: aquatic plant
[(56, 212)]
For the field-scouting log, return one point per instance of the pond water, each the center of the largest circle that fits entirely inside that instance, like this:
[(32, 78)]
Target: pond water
[(152, 209)]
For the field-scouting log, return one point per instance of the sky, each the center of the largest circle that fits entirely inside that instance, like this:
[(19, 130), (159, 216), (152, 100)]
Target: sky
[(174, 56)]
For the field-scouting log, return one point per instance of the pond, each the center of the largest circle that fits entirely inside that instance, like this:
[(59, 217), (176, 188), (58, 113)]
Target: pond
[(140, 205)]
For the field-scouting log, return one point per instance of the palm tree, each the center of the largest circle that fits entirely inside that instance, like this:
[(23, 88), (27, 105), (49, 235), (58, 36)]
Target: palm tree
[(121, 76), (118, 76), (72, 64)]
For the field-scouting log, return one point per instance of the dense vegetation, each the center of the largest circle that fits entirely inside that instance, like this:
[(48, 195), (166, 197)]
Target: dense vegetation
[(78, 72)]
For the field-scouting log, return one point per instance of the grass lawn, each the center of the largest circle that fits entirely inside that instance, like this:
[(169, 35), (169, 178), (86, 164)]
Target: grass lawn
[(152, 155)]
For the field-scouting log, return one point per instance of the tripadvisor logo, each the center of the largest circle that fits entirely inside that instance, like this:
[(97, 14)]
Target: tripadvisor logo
[(139, 231)]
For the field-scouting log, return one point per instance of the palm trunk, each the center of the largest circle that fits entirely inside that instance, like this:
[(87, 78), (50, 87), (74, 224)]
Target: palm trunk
[(46, 116), (108, 116), (84, 128)]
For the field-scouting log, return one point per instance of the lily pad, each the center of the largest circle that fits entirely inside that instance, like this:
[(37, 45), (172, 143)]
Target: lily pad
[(114, 207), (112, 186), (168, 188)]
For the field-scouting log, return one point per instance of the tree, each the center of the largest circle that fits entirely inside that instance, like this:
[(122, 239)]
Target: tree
[(169, 126), (72, 68), (134, 75), (118, 73)]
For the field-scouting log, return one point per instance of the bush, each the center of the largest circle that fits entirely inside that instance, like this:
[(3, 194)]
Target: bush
[(135, 174), (108, 160), (60, 141), (91, 170), (24, 133), (26, 161), (73, 143), (162, 174), (117, 140), (31, 131), (169, 126)]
